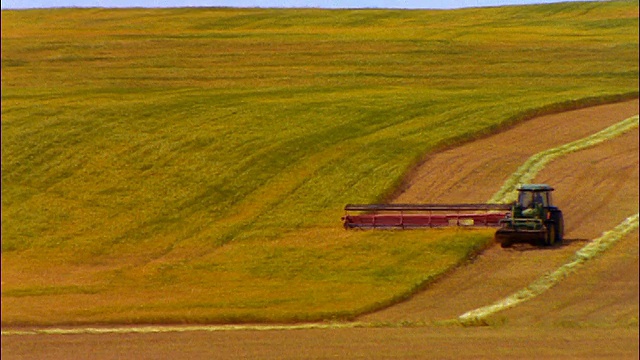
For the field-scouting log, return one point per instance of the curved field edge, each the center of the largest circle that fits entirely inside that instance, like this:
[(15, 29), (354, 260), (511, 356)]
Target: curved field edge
[(83, 239), (362, 272), (459, 238), (474, 317), (471, 318)]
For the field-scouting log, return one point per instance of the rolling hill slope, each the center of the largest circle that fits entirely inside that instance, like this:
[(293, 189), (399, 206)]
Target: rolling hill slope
[(592, 314)]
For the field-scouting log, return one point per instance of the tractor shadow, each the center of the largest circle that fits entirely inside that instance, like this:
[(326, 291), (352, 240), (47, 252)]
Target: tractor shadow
[(524, 247)]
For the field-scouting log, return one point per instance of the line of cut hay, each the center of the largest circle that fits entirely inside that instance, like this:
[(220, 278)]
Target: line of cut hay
[(546, 282), (528, 171), (177, 328), (507, 193)]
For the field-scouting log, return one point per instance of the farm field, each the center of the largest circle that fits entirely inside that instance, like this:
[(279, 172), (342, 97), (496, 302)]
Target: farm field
[(191, 167), (592, 314), (596, 188), (378, 343)]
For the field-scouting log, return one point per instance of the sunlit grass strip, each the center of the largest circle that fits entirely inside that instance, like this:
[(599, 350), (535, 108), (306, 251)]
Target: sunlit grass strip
[(528, 171), (166, 329), (588, 252), (217, 328)]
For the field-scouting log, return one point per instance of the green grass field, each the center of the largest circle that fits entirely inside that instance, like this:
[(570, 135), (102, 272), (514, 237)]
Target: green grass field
[(191, 165)]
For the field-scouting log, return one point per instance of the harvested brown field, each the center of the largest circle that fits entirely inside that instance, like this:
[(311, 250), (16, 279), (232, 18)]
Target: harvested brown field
[(596, 189)]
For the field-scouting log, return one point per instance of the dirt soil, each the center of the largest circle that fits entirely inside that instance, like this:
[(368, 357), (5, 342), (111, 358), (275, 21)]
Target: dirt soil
[(591, 314), (596, 189)]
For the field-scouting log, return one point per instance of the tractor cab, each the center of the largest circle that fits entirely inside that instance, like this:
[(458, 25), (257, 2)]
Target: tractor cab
[(534, 194), (533, 218), (534, 201)]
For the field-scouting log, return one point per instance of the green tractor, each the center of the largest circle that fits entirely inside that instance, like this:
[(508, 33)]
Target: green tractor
[(533, 219)]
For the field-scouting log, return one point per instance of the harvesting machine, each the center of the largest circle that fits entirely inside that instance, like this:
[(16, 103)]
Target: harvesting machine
[(532, 218)]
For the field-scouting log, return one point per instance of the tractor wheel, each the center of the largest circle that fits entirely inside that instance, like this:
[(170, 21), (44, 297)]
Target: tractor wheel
[(559, 229), (551, 235)]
